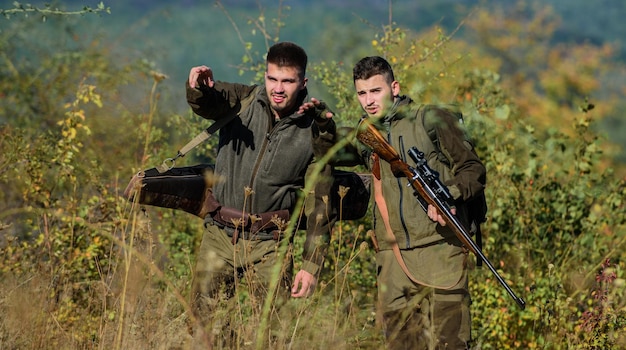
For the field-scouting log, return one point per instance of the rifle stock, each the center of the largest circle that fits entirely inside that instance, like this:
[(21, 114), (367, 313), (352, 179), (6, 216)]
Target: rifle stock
[(428, 190)]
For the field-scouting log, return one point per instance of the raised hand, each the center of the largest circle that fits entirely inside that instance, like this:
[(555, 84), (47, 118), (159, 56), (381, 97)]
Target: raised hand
[(201, 75), (318, 109)]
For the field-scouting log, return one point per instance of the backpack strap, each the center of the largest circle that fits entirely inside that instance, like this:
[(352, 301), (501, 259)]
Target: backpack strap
[(430, 126), (205, 134)]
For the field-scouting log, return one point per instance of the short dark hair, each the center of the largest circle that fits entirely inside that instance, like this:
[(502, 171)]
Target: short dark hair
[(287, 54), (368, 67)]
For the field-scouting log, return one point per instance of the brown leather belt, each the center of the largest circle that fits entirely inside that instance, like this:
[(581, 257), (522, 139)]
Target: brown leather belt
[(264, 226)]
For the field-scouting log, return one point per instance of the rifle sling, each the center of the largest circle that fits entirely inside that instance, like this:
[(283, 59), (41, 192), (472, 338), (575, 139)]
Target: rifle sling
[(205, 134), (381, 204)]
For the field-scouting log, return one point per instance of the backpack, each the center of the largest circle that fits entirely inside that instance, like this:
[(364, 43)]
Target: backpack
[(477, 206)]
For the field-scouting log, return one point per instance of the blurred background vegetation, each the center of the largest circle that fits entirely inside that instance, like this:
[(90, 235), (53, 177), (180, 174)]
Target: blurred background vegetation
[(92, 93)]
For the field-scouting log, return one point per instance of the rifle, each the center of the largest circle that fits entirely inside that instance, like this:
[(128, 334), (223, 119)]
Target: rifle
[(428, 189)]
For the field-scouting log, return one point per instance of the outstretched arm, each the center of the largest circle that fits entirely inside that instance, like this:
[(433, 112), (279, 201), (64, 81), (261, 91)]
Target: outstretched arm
[(320, 217), (213, 99)]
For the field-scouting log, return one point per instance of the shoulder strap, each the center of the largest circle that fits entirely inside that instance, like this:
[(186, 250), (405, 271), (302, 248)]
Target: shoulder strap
[(205, 134), (381, 204), (430, 126)]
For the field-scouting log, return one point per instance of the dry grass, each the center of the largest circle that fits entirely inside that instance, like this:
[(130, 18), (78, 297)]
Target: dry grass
[(138, 304)]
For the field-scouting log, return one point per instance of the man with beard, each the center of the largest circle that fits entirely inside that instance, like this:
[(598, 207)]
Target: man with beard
[(263, 157)]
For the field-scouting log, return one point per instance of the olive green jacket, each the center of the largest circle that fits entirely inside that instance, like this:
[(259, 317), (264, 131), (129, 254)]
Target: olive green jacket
[(262, 162), (404, 128)]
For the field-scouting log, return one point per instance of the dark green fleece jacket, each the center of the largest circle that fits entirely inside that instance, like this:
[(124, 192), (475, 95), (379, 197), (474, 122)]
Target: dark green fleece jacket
[(268, 157)]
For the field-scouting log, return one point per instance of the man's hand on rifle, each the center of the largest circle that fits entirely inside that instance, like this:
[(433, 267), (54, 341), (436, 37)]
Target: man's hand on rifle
[(435, 215)]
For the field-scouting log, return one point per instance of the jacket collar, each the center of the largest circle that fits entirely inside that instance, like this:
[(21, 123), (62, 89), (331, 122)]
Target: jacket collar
[(398, 104)]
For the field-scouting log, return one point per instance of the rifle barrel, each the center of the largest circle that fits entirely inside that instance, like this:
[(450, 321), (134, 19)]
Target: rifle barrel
[(418, 184)]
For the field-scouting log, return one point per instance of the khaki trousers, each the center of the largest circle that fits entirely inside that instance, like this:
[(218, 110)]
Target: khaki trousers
[(432, 315), (221, 265)]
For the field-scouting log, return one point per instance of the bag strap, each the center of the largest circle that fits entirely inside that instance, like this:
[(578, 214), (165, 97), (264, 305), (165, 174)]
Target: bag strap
[(381, 204), (430, 127), (169, 163), (431, 130)]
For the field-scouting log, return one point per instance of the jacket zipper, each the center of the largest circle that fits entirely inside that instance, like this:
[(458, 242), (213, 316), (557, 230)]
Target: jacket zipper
[(400, 190), (259, 160)]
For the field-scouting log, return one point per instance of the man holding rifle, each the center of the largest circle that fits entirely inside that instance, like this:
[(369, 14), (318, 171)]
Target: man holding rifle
[(421, 264)]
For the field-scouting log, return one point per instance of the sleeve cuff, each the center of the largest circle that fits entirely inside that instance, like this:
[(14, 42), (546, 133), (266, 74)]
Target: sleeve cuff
[(311, 267), (454, 191)]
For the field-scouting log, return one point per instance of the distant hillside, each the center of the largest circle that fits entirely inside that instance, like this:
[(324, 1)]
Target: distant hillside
[(184, 33), (173, 36), (582, 20)]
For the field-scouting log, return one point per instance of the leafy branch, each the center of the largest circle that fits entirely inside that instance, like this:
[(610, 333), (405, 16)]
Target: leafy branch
[(48, 10)]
